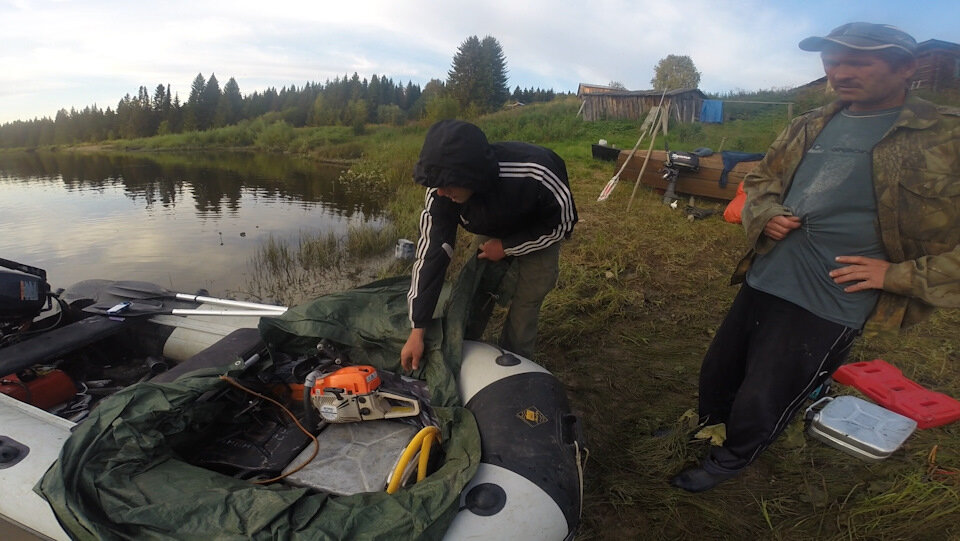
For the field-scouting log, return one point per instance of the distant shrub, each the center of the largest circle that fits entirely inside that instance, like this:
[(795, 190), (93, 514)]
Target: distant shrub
[(275, 137), (390, 114), (441, 108)]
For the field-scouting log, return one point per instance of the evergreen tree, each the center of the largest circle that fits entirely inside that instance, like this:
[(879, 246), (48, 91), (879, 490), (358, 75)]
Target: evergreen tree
[(159, 98), (494, 74), (478, 77), (192, 107), (209, 100), (196, 90), (230, 105), (463, 79)]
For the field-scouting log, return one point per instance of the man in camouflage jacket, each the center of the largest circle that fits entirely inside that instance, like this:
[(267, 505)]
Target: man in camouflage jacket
[(916, 175), (853, 217)]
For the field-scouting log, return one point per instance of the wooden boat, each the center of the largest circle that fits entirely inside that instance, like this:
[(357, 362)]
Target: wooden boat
[(703, 183), (87, 364)]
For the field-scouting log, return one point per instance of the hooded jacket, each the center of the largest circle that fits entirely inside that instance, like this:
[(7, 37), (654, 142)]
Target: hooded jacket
[(521, 195)]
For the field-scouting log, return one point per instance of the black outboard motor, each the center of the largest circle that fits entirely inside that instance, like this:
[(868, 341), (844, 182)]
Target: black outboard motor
[(672, 166), (24, 291)]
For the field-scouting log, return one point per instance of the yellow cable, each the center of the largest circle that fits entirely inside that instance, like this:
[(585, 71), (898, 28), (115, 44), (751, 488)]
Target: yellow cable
[(423, 440)]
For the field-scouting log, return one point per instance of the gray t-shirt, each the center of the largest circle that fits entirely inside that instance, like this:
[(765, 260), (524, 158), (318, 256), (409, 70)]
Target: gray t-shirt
[(832, 193)]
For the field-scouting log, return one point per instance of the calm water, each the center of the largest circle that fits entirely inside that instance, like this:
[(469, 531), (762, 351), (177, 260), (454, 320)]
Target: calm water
[(184, 221)]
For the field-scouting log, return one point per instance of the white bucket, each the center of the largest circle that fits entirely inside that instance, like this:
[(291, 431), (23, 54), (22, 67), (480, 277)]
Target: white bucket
[(404, 249)]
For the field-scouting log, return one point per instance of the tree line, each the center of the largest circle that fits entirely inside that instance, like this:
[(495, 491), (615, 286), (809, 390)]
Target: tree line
[(476, 84)]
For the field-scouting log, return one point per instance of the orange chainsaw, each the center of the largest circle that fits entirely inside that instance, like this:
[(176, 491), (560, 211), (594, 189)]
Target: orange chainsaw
[(353, 393)]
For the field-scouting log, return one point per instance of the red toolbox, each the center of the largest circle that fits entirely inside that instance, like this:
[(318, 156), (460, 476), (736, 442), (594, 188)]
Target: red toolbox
[(886, 385)]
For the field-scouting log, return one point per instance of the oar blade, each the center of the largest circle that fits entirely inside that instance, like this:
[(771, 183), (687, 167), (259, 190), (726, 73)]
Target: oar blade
[(131, 289)]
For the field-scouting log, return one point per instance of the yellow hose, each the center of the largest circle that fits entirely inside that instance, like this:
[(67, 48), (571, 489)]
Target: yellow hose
[(422, 442)]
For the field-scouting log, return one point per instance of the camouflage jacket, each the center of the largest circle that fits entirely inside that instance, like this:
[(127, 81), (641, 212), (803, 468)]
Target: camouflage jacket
[(916, 177)]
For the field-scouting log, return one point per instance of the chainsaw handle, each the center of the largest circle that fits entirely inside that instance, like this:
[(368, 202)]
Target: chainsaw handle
[(402, 411)]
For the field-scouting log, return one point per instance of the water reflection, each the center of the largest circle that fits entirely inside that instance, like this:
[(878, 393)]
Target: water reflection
[(183, 220)]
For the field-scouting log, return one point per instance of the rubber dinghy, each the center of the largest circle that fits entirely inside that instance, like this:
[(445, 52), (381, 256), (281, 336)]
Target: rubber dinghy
[(160, 459)]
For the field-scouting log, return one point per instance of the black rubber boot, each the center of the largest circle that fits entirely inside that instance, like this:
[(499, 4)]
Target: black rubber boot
[(700, 479)]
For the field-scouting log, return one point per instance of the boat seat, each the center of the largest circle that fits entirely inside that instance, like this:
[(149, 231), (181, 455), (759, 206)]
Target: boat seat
[(241, 343), (51, 345)]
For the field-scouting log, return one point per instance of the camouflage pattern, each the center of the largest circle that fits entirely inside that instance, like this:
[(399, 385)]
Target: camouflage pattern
[(916, 175)]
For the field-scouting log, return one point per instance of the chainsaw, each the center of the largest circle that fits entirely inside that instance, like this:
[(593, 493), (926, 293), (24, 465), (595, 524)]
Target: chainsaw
[(354, 393)]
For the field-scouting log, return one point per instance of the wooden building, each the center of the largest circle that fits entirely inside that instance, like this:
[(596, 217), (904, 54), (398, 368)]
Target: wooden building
[(938, 66), (599, 102)]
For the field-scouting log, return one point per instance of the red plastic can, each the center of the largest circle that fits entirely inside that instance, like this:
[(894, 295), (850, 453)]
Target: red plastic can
[(45, 391)]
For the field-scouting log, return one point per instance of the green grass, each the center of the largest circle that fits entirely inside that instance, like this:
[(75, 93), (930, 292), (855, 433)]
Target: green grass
[(640, 294), (319, 263)]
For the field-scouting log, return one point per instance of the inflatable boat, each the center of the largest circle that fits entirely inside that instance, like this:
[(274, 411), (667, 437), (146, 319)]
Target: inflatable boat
[(116, 422)]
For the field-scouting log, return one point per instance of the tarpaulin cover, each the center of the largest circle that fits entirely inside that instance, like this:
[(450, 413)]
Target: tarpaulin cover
[(119, 475), (711, 111)]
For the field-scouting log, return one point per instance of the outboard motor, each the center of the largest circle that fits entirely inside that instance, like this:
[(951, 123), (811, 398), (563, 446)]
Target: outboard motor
[(675, 163), (24, 291)]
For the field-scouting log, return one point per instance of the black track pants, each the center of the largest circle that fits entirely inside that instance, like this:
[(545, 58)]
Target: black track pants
[(765, 360)]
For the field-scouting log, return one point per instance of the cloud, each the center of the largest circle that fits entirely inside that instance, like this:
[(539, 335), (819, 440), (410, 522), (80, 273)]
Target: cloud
[(72, 54)]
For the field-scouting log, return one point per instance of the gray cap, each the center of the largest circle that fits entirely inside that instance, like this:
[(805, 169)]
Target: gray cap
[(864, 37)]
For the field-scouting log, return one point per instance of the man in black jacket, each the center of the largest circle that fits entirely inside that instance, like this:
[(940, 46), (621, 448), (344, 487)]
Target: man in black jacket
[(515, 196)]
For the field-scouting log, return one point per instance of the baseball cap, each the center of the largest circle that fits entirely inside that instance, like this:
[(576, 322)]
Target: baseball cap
[(864, 37)]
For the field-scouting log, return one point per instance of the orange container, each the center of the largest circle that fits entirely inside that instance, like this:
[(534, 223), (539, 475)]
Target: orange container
[(54, 387)]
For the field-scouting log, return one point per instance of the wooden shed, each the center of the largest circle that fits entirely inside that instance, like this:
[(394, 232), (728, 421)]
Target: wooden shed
[(603, 103), (938, 66)]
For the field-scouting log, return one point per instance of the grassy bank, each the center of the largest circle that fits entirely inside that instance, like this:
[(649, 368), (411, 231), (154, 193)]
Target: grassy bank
[(641, 293)]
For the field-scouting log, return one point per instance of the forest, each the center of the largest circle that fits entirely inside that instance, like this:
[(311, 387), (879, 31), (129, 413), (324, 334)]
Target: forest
[(476, 84)]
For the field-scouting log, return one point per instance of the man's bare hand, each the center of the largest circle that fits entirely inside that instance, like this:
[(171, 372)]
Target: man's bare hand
[(492, 250), (412, 351), (866, 271), (779, 226)]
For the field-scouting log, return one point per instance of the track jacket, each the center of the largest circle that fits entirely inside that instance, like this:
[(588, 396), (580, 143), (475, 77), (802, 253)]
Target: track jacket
[(916, 177), (521, 196)]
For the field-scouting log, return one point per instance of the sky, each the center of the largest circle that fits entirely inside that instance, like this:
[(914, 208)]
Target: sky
[(62, 54)]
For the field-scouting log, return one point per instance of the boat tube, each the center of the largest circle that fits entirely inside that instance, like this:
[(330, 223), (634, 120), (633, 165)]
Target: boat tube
[(510, 461)]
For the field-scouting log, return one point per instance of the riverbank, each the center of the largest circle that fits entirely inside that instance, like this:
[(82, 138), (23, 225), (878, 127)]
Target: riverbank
[(640, 294)]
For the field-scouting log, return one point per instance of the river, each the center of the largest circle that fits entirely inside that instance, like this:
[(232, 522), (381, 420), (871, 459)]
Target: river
[(185, 221)]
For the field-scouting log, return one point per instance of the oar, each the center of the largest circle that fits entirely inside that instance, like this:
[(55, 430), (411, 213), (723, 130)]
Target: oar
[(134, 309), (644, 130), (659, 120), (146, 290)]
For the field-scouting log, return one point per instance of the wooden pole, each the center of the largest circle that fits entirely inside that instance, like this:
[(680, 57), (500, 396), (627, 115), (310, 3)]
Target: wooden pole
[(646, 160)]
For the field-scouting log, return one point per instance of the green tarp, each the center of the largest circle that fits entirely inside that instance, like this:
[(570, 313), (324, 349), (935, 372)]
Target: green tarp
[(119, 475)]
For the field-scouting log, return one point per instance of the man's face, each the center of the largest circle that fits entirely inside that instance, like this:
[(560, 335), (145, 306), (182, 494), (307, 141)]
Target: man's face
[(865, 79), (457, 194)]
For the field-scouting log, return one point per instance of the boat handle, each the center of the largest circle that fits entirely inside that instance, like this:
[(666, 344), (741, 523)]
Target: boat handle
[(571, 429)]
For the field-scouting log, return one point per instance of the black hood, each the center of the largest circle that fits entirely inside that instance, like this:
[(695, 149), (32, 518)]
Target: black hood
[(456, 153)]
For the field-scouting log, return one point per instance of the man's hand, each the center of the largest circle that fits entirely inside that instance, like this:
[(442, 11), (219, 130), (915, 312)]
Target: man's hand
[(866, 271), (492, 250), (412, 351), (779, 226)]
